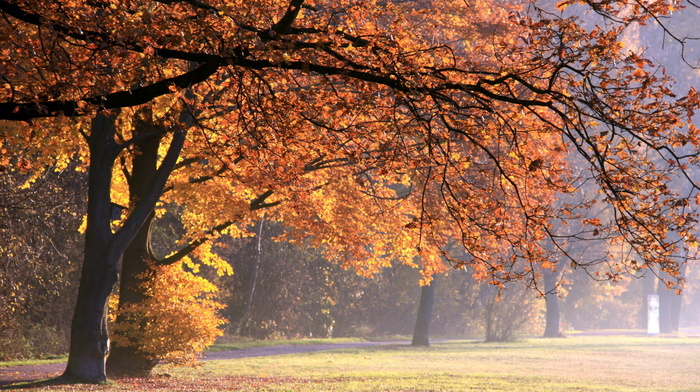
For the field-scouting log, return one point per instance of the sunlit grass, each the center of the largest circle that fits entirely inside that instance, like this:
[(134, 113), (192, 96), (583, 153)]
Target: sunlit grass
[(611, 364), (238, 344), (36, 361), (574, 364)]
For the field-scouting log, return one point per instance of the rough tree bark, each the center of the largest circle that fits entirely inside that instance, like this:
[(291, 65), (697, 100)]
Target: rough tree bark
[(421, 332), (89, 346), (89, 337), (130, 361)]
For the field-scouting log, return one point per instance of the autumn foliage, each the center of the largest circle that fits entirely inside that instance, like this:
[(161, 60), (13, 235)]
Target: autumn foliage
[(481, 117), (435, 134), (177, 321)]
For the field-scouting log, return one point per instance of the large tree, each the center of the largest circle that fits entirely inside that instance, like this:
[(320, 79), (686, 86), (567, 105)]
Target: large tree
[(468, 106)]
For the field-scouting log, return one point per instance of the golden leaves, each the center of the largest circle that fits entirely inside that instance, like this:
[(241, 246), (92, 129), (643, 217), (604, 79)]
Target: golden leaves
[(359, 100), (178, 319)]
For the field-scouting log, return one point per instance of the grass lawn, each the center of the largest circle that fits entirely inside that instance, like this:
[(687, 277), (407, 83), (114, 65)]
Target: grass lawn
[(239, 344), (630, 364)]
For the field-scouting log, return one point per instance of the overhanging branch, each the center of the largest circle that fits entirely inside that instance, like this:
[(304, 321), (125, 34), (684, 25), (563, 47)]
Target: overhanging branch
[(26, 111)]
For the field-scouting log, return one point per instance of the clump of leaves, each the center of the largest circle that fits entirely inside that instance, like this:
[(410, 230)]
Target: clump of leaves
[(178, 319)]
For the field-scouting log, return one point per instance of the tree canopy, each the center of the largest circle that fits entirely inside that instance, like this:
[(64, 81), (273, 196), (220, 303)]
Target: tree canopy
[(418, 131)]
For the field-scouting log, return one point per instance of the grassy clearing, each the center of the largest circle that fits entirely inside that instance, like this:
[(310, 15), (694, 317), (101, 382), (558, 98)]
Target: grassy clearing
[(223, 345), (610, 364), (238, 344)]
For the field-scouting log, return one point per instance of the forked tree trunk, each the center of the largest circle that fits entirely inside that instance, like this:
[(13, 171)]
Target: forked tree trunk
[(89, 345), (421, 332), (89, 336)]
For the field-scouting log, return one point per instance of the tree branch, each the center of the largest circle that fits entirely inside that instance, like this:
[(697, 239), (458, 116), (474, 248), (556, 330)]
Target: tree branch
[(284, 25), (27, 111), (99, 37), (145, 206), (194, 3), (256, 204)]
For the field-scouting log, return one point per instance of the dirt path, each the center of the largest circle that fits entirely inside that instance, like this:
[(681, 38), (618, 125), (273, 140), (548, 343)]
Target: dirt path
[(14, 374)]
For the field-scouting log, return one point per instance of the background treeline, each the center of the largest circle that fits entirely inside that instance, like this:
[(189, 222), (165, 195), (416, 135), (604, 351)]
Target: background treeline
[(40, 246), (296, 291)]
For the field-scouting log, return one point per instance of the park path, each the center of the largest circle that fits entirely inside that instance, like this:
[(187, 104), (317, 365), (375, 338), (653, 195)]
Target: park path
[(14, 374)]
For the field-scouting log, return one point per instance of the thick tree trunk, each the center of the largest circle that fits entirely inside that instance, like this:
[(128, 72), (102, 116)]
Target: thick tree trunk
[(676, 304), (665, 299), (669, 305), (127, 361), (89, 345), (130, 361), (648, 288), (89, 336), (551, 296), (421, 332)]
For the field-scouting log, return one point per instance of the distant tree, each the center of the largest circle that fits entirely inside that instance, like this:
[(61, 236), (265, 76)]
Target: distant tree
[(552, 327), (421, 331)]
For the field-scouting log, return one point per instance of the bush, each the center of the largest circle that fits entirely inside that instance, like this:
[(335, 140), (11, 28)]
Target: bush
[(24, 341), (508, 312), (177, 321)]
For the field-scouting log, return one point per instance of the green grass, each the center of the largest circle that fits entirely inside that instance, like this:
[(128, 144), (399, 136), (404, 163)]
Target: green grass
[(223, 345), (585, 364), (238, 344), (597, 364), (36, 361)]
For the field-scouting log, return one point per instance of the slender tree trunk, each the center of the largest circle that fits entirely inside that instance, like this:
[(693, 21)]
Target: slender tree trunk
[(551, 296), (253, 274), (421, 332)]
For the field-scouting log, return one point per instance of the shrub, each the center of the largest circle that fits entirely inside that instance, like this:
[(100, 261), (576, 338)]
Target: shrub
[(177, 321)]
